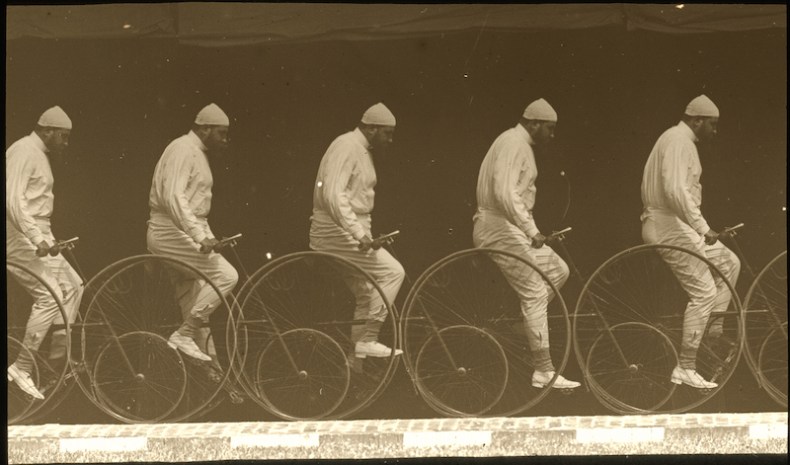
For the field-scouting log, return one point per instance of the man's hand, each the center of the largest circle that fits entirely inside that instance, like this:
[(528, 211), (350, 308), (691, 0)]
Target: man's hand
[(207, 245), (711, 237), (538, 240), (366, 243), (55, 249), (42, 249)]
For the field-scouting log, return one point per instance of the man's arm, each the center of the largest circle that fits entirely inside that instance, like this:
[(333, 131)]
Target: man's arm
[(338, 172), (175, 176), (510, 175), (19, 170), (676, 176)]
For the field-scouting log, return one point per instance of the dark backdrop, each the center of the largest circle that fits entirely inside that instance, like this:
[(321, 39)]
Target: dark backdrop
[(615, 92)]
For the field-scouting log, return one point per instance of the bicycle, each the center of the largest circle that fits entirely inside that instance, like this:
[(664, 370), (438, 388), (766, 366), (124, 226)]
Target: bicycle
[(48, 378), (463, 340), (627, 328), (125, 366)]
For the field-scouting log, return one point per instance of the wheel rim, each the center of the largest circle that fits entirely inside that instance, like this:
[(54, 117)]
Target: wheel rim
[(765, 311), (461, 370), (302, 375), (139, 294), (772, 364), (316, 291), (641, 381), (637, 286), (155, 386), (468, 288)]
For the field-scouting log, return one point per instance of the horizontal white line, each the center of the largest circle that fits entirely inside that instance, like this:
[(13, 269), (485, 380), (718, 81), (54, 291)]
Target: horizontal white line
[(117, 444), (768, 431), (275, 440), (446, 438), (619, 435)]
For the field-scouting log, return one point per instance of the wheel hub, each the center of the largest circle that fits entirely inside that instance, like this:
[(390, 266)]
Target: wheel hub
[(302, 375), (139, 377), (462, 371)]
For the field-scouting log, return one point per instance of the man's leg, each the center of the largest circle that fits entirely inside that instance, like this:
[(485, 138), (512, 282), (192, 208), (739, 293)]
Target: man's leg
[(730, 266), (553, 266), (71, 288), (201, 299), (695, 278), (197, 298), (43, 313), (370, 305), (534, 297)]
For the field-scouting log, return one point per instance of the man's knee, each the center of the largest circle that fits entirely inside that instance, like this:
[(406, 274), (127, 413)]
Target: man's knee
[(707, 295), (229, 278), (533, 297), (735, 268), (46, 303), (397, 272), (563, 271)]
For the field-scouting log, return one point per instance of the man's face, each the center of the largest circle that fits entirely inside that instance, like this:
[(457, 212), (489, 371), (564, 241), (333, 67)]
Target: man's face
[(57, 140), (382, 138), (544, 132), (217, 139), (708, 128)]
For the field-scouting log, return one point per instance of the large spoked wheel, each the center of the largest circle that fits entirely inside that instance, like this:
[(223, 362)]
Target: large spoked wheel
[(766, 328), (469, 290), (139, 377), (461, 370), (302, 374), (629, 366), (135, 305), (634, 290), (304, 300), (49, 377)]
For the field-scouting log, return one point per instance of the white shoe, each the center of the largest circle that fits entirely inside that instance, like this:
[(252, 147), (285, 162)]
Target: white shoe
[(373, 349), (691, 377), (541, 379), (24, 382), (187, 345)]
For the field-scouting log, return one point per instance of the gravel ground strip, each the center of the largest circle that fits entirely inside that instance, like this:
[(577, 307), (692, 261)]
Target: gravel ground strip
[(757, 433)]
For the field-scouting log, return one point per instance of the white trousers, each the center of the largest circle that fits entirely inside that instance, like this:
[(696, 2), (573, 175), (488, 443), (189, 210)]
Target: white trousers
[(707, 292), (60, 276), (196, 297), (326, 236), (496, 232)]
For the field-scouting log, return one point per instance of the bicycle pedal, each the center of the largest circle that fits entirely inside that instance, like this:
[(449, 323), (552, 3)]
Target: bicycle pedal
[(235, 397)]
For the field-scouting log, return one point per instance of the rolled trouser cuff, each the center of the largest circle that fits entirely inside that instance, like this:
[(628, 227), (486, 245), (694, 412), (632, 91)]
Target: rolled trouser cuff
[(541, 358)]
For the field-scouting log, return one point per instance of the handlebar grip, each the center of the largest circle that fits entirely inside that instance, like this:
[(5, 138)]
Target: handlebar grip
[(388, 235), (563, 231), (227, 241), (68, 244)]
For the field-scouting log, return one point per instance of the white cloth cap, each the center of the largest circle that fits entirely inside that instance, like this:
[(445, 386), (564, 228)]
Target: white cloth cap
[(55, 117), (212, 115), (379, 115), (702, 106), (540, 110)]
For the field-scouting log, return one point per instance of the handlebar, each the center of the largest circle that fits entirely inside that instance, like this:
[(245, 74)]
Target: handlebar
[(559, 235), (67, 244), (228, 241), (731, 229), (388, 235)]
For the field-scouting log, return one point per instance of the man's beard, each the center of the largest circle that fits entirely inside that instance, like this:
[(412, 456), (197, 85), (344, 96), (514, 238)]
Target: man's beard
[(379, 149)]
